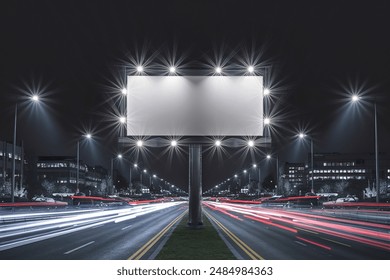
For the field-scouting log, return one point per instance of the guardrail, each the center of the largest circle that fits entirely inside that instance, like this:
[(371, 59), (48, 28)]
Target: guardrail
[(366, 205), (33, 204)]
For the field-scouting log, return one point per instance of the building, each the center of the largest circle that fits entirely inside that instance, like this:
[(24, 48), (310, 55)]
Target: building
[(6, 167), (296, 174), (338, 172), (59, 174)]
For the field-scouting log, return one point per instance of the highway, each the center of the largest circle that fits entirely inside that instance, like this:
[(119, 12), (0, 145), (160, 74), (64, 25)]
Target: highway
[(88, 234), (282, 234)]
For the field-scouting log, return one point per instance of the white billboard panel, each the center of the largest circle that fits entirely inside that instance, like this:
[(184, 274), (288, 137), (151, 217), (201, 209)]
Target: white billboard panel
[(194, 106)]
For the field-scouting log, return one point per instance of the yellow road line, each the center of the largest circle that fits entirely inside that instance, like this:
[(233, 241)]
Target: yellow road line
[(146, 247), (242, 245)]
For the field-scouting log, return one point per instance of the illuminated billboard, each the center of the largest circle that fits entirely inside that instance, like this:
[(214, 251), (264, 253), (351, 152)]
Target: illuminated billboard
[(194, 106)]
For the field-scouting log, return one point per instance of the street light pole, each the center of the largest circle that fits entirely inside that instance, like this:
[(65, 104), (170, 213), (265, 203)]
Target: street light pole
[(377, 184), (78, 166), (112, 175), (312, 165), (277, 171), (130, 186), (356, 98), (259, 180), (13, 156)]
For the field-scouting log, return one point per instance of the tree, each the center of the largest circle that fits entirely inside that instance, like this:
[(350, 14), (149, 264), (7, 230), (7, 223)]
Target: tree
[(48, 187), (269, 183), (325, 188), (341, 186)]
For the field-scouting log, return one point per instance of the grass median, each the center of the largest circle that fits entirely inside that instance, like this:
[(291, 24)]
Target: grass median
[(187, 243)]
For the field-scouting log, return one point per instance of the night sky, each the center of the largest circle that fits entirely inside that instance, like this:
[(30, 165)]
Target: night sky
[(316, 54)]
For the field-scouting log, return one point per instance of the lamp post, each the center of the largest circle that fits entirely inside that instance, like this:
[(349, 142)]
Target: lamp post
[(302, 136), (34, 98), (356, 98), (112, 172), (258, 175), (88, 136), (277, 170)]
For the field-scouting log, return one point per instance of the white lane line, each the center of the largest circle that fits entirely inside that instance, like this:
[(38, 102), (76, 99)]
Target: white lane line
[(97, 226), (82, 246), (127, 227), (300, 243)]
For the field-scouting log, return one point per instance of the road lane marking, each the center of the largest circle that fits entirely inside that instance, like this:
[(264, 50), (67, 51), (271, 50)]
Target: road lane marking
[(241, 244), (337, 242), (148, 245), (300, 243), (127, 227), (97, 226), (82, 246), (309, 231)]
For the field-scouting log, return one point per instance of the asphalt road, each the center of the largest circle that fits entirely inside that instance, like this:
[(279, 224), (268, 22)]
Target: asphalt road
[(261, 233), (110, 234)]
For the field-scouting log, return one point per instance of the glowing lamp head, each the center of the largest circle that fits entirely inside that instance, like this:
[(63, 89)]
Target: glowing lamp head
[(145, 171), (119, 156), (139, 143), (267, 121), (172, 69), (35, 98), (251, 143), (218, 70), (268, 156), (251, 69), (301, 135), (235, 175), (355, 98), (245, 171), (140, 68), (218, 143), (267, 91), (124, 91), (254, 166), (135, 165), (88, 135), (173, 143), (122, 119), (154, 176)]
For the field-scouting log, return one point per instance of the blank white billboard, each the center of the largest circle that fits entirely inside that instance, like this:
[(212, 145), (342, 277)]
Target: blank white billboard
[(194, 106)]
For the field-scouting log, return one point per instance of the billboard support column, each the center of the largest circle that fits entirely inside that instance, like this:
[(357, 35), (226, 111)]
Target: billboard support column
[(195, 185)]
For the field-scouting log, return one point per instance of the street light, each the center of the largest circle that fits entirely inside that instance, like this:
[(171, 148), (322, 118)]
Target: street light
[(124, 91), (172, 69), (302, 136), (218, 70), (122, 119), (35, 99), (88, 136), (355, 98), (173, 143), (257, 167), (140, 68), (277, 169), (119, 156)]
